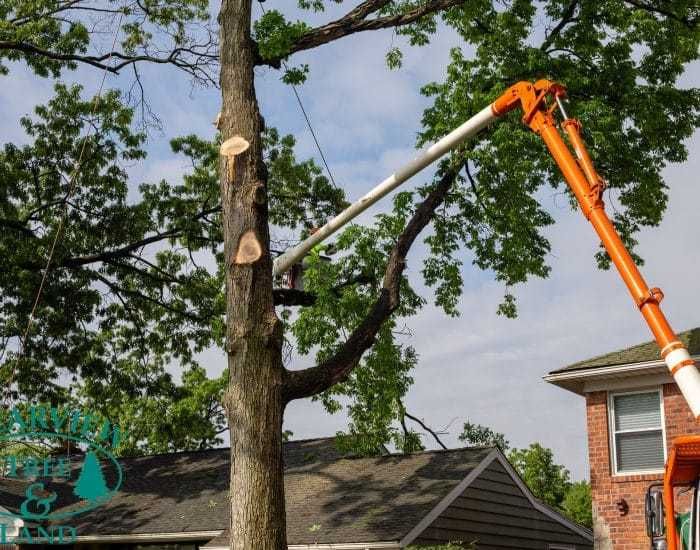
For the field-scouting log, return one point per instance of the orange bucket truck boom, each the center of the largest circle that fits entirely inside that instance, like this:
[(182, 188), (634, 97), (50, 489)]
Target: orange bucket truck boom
[(538, 102), (588, 187)]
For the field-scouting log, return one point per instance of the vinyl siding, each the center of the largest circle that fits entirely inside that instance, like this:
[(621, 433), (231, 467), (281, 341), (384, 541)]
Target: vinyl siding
[(494, 513)]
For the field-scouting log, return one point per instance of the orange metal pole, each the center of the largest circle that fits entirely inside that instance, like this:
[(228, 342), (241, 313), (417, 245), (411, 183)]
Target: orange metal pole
[(672, 538), (590, 200), (587, 186)]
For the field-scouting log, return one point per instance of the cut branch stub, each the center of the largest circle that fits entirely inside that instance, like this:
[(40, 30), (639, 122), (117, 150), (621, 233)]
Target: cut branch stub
[(230, 149), (249, 249)]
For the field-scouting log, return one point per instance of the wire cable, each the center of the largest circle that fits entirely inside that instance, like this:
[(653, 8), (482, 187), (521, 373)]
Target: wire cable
[(71, 188), (306, 116)]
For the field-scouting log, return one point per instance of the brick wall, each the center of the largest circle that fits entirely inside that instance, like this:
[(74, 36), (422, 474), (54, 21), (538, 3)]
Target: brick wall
[(612, 530)]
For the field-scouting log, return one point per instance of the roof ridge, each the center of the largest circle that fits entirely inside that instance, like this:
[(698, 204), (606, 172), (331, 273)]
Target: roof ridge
[(436, 451), (346, 457), (173, 453), (601, 361), (212, 449)]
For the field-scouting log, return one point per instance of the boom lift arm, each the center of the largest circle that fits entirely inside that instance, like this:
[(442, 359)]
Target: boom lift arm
[(538, 102), (588, 187)]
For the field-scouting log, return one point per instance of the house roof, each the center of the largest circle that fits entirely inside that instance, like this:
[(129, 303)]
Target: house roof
[(330, 498), (641, 353)]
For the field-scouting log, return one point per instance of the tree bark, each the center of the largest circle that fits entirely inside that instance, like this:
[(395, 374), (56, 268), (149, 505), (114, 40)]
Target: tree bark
[(253, 399)]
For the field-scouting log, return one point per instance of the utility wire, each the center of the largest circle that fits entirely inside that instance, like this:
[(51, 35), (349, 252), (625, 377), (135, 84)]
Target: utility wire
[(306, 116)]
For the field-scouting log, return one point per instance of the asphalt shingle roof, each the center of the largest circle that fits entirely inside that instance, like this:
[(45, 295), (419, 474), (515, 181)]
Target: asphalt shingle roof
[(641, 353), (330, 498)]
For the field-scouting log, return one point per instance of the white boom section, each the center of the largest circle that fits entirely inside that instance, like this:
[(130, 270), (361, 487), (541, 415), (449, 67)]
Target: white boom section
[(471, 127)]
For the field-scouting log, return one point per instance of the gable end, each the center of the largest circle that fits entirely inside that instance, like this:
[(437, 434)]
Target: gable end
[(493, 507)]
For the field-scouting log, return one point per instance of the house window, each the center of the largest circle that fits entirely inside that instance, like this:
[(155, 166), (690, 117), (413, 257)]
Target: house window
[(637, 432)]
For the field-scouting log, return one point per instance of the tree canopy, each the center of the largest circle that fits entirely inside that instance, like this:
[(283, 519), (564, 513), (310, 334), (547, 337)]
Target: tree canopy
[(53, 35), (127, 292)]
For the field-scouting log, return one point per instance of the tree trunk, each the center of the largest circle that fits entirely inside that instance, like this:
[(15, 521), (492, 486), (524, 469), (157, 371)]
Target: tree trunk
[(253, 399)]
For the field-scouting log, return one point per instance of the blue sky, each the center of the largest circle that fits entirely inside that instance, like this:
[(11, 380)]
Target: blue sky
[(478, 366)]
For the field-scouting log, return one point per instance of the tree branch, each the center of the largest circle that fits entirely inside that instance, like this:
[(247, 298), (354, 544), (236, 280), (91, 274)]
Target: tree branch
[(356, 21), (18, 226), (426, 428), (115, 288), (294, 297), (195, 68), (567, 17), (573, 53), (79, 261), (660, 10), (124, 251), (314, 380)]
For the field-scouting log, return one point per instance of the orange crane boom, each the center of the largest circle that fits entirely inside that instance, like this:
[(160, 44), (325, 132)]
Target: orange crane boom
[(588, 187)]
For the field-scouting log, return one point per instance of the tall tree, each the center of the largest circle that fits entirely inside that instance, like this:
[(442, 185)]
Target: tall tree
[(476, 434), (125, 299), (578, 503), (547, 480), (599, 68)]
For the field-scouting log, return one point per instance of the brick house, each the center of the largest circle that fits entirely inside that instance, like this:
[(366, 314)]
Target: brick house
[(634, 411)]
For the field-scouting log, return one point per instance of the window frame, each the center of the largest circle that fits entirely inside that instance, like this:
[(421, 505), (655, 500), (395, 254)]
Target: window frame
[(612, 432)]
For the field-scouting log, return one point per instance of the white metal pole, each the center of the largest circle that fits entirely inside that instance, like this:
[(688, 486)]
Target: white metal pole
[(471, 127)]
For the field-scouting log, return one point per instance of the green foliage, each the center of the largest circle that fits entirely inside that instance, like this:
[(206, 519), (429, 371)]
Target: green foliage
[(377, 386), (164, 416), (315, 5), (295, 75), (52, 35), (136, 283), (300, 196), (394, 58), (275, 35), (635, 116), (137, 280), (547, 480), (508, 307), (578, 504), (483, 436), (418, 33), (108, 314)]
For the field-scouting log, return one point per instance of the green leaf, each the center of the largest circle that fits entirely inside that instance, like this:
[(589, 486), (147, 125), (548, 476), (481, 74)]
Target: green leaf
[(275, 35), (394, 58)]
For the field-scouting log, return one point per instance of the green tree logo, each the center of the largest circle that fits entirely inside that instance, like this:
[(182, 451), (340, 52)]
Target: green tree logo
[(91, 484)]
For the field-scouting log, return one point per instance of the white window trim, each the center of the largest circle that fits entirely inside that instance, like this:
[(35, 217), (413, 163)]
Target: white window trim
[(611, 430)]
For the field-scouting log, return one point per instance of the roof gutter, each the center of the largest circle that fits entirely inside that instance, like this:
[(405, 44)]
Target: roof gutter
[(151, 537), (568, 379), (204, 535)]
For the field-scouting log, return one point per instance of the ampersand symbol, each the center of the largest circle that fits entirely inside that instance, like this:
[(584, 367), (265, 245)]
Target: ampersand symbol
[(43, 504)]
